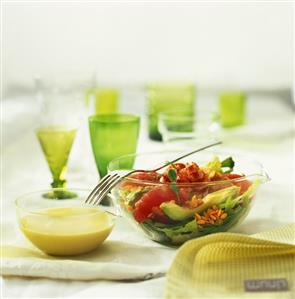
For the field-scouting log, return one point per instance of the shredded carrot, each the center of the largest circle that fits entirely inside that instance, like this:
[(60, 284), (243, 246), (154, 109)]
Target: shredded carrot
[(211, 216)]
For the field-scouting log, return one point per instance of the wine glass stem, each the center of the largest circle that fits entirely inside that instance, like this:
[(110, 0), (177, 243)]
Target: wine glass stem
[(58, 183)]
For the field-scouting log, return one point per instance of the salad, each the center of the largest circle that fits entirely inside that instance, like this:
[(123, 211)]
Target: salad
[(187, 200)]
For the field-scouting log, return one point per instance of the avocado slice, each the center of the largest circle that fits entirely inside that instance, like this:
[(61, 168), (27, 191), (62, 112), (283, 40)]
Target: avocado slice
[(178, 213)]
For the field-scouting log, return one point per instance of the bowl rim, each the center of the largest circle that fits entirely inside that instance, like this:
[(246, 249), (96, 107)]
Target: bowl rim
[(262, 174), (113, 118), (96, 209)]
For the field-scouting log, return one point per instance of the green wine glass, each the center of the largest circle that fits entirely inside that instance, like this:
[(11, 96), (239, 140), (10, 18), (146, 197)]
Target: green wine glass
[(56, 143)]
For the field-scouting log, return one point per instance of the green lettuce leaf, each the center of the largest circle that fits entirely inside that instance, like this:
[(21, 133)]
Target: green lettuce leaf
[(212, 167), (216, 166), (229, 164)]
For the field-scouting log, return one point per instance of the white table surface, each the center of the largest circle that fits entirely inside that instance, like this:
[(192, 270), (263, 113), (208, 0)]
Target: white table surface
[(24, 170)]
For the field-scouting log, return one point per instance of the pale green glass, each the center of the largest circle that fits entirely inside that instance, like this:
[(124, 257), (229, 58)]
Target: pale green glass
[(113, 135), (56, 143), (164, 96), (232, 108), (106, 100)]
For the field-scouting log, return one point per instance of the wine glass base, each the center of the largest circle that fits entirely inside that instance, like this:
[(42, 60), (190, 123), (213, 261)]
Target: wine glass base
[(59, 194)]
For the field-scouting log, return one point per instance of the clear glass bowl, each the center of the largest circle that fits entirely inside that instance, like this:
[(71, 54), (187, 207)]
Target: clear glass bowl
[(205, 208), (60, 226)]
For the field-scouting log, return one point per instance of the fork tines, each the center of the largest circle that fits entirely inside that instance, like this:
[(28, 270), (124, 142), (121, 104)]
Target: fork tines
[(102, 189)]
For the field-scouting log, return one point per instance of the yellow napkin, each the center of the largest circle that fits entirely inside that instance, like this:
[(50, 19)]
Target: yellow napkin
[(217, 266)]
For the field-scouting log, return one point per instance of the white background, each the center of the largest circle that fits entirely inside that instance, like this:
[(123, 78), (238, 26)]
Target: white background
[(215, 44)]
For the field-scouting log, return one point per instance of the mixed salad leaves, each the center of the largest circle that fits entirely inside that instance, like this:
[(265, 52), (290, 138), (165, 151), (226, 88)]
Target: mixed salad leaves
[(187, 200)]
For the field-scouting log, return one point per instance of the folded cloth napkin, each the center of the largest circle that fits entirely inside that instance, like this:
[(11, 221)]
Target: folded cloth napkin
[(115, 259), (227, 265)]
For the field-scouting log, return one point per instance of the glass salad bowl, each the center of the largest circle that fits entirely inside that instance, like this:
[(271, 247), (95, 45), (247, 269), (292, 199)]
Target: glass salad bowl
[(205, 193)]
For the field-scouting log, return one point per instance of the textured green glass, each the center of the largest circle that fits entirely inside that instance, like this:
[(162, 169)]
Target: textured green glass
[(232, 107), (163, 97), (113, 135)]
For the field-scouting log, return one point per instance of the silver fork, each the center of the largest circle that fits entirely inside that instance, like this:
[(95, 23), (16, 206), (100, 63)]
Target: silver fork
[(107, 183)]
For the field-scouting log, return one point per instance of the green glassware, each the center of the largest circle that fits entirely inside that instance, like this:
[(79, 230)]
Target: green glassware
[(164, 96), (113, 135), (56, 143), (106, 100), (232, 108)]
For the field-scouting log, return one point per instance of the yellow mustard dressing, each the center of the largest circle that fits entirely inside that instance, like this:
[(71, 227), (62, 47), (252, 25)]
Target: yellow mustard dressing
[(67, 231)]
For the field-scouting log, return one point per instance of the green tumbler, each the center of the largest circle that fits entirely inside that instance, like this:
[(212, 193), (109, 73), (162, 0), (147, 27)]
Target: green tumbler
[(113, 135), (232, 108), (106, 100)]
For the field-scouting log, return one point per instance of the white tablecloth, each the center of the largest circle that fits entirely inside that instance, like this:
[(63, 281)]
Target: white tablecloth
[(24, 170)]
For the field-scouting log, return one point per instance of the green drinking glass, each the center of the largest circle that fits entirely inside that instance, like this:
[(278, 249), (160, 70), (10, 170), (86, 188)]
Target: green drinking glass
[(113, 135), (232, 108), (164, 96), (56, 143), (106, 100)]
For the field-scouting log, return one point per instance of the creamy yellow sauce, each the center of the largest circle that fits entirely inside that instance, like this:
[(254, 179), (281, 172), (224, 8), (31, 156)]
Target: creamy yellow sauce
[(67, 231)]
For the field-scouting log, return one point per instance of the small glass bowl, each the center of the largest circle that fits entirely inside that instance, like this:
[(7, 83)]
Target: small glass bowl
[(63, 227), (184, 225)]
